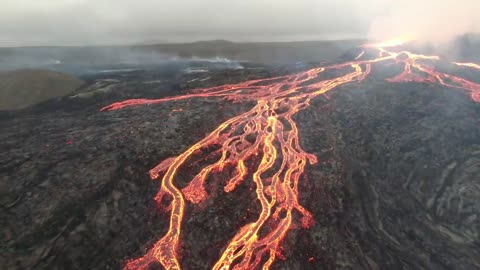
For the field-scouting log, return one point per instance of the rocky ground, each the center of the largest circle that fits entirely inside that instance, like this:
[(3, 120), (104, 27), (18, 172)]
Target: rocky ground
[(396, 186)]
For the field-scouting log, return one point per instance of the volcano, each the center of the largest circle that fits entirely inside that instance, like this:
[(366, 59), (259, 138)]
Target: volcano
[(368, 163)]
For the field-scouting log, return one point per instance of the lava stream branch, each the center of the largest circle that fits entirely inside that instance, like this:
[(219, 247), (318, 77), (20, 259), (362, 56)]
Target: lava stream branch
[(266, 131)]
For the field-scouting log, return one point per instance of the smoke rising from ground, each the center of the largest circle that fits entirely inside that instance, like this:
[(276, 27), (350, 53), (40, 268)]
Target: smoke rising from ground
[(430, 21), (93, 22), (59, 58)]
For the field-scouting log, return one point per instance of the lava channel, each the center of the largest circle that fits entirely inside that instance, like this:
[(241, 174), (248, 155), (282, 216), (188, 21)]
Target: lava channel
[(275, 141)]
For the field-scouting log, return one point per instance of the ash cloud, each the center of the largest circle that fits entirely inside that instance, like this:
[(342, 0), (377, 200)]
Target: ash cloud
[(108, 22), (93, 22)]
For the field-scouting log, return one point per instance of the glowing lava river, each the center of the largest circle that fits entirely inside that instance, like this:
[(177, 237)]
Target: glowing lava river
[(267, 137)]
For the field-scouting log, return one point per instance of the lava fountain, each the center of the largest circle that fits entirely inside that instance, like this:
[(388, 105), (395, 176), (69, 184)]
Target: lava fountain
[(276, 143)]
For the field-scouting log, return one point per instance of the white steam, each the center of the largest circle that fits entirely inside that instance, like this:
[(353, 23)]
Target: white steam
[(433, 21)]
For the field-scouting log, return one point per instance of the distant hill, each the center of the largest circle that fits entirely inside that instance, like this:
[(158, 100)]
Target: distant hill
[(260, 52), (22, 88), (78, 60)]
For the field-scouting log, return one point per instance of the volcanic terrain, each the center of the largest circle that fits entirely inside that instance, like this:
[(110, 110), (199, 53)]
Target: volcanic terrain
[(371, 161)]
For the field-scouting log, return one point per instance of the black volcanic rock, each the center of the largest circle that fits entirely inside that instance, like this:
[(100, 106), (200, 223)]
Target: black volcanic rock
[(395, 186)]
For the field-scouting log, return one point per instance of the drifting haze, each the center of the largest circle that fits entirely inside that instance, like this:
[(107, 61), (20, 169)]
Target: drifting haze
[(437, 21), (93, 22)]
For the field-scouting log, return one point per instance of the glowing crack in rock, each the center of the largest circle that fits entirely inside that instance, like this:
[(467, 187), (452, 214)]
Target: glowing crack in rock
[(268, 132), (470, 65)]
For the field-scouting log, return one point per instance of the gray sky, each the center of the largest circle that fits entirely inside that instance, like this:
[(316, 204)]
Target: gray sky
[(80, 22)]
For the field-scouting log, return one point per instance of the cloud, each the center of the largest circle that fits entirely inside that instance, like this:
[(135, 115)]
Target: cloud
[(77, 22)]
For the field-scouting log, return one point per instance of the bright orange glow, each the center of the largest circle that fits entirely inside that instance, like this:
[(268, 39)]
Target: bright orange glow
[(470, 65), (388, 44), (268, 134), (360, 55)]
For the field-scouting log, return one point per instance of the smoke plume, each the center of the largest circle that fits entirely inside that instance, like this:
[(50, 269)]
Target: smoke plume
[(432, 21)]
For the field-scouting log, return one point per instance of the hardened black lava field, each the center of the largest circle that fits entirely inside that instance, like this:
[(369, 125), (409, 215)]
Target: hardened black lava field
[(367, 163)]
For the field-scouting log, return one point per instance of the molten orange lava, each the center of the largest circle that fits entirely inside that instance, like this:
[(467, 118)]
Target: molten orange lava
[(389, 43), (276, 142), (470, 65)]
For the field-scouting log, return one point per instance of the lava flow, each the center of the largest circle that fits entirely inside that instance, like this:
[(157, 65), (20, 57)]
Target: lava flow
[(267, 133)]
